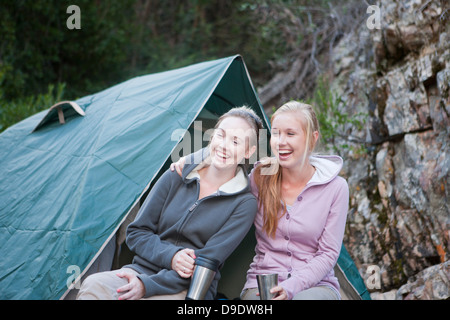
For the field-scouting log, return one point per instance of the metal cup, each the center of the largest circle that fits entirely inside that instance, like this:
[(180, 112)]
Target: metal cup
[(265, 283), (204, 271)]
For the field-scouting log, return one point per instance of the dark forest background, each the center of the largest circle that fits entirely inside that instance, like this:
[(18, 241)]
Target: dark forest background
[(42, 61)]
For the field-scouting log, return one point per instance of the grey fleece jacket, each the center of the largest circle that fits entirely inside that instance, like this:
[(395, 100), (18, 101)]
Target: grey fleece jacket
[(173, 218)]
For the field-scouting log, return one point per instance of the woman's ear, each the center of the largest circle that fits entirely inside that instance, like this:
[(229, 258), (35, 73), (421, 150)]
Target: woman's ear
[(316, 136)]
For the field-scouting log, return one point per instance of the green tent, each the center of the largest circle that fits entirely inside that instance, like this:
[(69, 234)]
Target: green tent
[(71, 175)]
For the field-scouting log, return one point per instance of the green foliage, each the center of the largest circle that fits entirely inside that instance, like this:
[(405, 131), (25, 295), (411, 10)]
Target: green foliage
[(13, 111), (127, 38), (336, 124), (122, 39), (40, 50)]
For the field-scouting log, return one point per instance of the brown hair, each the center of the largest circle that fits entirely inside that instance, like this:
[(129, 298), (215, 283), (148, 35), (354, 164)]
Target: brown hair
[(269, 185), (247, 114), (251, 118)]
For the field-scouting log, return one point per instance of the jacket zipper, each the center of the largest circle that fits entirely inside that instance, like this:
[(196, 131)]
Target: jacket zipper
[(186, 218), (194, 206), (191, 209)]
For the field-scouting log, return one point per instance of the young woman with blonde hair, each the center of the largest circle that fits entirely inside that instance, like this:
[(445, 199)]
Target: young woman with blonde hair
[(302, 209)]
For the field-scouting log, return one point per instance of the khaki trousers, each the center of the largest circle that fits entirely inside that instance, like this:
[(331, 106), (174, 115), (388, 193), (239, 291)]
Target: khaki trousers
[(104, 285), (314, 293)]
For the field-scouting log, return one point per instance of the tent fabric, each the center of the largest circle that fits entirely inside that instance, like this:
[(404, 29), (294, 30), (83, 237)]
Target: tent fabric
[(352, 284), (66, 188)]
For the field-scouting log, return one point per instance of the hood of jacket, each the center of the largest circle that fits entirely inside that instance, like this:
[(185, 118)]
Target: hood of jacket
[(327, 168)]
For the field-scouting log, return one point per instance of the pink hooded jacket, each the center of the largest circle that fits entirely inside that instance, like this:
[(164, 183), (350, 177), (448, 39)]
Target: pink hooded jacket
[(309, 236)]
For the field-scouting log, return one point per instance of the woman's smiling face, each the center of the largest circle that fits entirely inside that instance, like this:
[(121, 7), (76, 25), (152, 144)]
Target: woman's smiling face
[(230, 143), (288, 139)]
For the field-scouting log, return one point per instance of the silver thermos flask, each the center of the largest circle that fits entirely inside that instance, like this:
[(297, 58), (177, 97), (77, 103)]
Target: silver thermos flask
[(204, 271)]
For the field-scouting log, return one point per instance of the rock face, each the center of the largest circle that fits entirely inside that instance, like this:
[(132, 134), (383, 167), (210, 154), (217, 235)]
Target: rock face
[(399, 75), (432, 283)]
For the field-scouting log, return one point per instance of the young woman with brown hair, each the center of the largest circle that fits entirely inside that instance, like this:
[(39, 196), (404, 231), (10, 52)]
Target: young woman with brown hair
[(204, 213)]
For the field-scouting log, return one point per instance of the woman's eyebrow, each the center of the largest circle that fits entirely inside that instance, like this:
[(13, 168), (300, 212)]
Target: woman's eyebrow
[(286, 129)]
